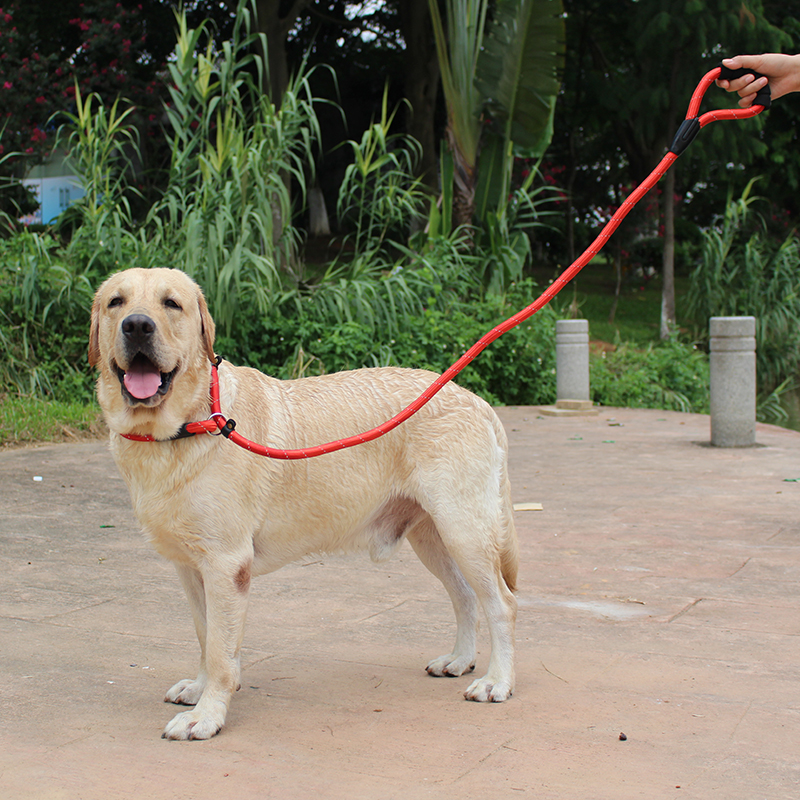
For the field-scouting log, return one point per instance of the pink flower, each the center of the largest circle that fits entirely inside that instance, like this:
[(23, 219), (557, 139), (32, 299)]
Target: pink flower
[(40, 99), (29, 150), (116, 26), (8, 85)]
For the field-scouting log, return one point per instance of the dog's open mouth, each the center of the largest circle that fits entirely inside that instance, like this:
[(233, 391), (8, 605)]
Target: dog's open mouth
[(143, 381)]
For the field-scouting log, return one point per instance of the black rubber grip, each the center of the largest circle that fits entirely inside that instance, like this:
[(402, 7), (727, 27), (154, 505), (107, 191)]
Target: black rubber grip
[(763, 97)]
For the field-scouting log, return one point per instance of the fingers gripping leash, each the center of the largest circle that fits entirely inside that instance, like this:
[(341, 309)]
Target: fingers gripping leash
[(687, 131)]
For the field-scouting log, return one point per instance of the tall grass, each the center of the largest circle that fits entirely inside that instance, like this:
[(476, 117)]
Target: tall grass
[(99, 141), (746, 271), (379, 198), (226, 215)]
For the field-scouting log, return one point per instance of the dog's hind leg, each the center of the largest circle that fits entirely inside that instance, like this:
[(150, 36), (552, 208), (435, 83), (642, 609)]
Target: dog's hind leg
[(428, 545), (500, 607), (187, 692), (480, 562)]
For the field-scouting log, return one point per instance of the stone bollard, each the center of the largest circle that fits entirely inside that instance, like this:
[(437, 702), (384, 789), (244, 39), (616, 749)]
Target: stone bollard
[(733, 381), (572, 359)]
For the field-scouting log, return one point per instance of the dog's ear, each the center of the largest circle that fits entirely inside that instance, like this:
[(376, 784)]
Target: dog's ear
[(94, 333), (207, 327)]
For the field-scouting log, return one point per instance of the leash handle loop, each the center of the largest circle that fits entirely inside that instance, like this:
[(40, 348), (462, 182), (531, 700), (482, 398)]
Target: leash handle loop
[(763, 95)]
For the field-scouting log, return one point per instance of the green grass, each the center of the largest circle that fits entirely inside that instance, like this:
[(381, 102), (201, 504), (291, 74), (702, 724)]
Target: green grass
[(29, 420)]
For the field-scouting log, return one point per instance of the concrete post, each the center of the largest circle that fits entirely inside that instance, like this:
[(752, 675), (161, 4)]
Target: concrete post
[(733, 381), (572, 359)]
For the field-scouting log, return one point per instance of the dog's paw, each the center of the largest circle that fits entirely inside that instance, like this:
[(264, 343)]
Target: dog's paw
[(450, 666), (485, 690), (185, 693), (192, 725)]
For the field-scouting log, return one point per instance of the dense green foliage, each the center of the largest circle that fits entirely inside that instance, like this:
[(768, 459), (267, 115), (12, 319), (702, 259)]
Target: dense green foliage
[(406, 286), (670, 375), (519, 368), (226, 216), (746, 270)]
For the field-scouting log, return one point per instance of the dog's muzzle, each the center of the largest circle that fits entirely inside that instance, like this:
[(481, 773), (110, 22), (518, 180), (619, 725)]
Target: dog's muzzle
[(143, 382)]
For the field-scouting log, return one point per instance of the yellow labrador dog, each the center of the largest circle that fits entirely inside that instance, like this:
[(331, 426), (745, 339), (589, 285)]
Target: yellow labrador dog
[(438, 480)]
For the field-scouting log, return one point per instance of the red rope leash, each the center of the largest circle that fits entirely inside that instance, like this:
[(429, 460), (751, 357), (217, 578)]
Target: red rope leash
[(686, 133)]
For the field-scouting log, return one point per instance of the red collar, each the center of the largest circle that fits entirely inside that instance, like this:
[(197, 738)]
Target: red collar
[(216, 423)]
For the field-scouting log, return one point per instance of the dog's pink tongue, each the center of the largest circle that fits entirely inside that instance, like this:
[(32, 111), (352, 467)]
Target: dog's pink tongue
[(142, 380)]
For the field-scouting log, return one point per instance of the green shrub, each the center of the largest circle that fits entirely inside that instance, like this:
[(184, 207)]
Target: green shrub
[(671, 375), (518, 368)]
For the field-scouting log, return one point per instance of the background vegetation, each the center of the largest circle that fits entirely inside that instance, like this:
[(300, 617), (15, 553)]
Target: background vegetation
[(201, 137)]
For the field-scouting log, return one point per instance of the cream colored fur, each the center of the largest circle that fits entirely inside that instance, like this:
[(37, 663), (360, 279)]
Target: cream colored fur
[(223, 515)]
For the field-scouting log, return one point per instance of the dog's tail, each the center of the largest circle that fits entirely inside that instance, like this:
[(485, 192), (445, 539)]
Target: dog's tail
[(509, 551), (508, 543)]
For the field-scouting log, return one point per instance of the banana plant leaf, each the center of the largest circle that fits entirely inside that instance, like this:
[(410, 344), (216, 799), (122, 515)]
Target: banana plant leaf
[(518, 70)]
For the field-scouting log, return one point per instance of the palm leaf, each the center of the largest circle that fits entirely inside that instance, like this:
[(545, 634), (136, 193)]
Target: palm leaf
[(458, 53), (518, 70)]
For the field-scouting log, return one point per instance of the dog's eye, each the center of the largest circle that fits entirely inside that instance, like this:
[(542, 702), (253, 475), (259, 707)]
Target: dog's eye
[(170, 303), (115, 302)]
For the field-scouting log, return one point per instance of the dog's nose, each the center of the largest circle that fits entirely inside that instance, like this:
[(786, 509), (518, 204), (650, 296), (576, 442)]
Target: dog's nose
[(138, 328)]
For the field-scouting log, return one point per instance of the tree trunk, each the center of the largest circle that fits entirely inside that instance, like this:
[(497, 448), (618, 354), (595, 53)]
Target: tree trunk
[(572, 171), (668, 266), (421, 84), (318, 222), (464, 179), (275, 28), (617, 280)]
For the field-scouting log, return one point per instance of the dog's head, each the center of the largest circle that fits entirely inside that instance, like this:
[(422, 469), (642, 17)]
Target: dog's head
[(152, 339)]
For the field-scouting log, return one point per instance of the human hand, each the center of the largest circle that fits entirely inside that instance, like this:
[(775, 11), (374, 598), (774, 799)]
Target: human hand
[(781, 72)]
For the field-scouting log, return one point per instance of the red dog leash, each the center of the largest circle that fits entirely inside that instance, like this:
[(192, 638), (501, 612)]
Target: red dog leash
[(689, 128)]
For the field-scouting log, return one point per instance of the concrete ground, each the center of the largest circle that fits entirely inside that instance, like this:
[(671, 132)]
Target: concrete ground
[(659, 599)]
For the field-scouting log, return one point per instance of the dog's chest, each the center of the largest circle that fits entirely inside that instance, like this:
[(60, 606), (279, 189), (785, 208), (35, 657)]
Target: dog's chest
[(168, 501)]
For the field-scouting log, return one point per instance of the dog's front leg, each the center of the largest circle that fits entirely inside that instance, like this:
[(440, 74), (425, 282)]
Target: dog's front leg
[(226, 589), (187, 692)]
